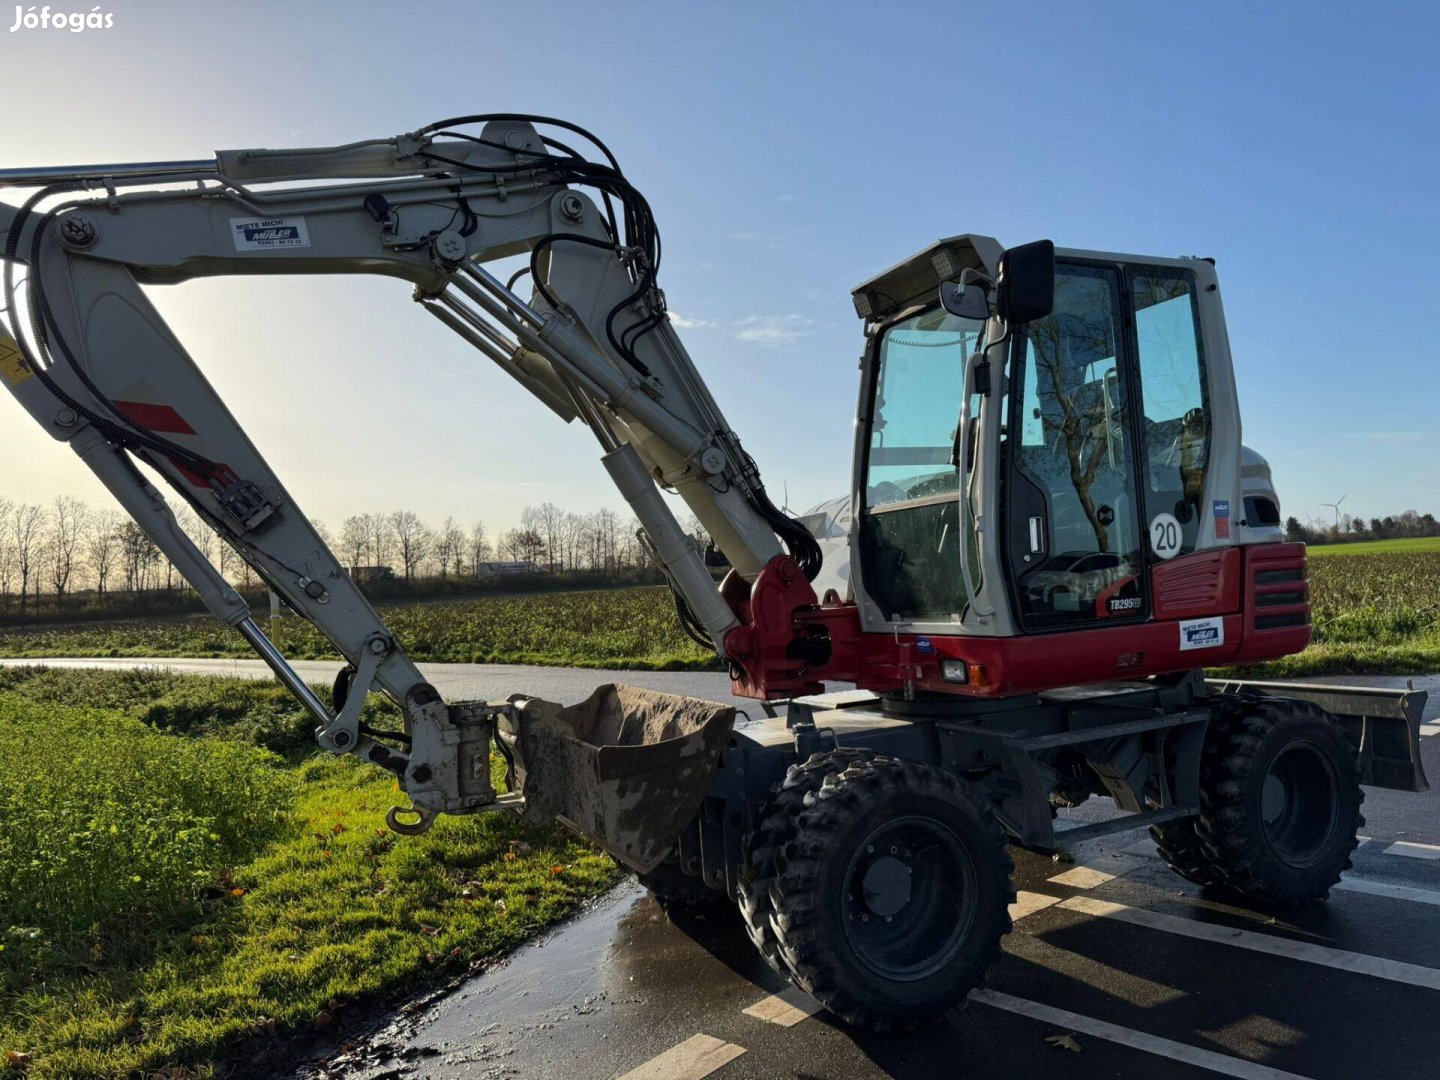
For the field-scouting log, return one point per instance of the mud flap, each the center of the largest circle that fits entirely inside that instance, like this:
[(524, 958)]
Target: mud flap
[(627, 768), (1384, 723)]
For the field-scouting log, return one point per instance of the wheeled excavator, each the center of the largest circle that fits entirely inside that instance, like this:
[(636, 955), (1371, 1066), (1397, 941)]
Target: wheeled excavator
[(1053, 529)]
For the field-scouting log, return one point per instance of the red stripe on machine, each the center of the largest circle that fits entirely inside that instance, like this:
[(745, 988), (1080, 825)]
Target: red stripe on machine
[(158, 418)]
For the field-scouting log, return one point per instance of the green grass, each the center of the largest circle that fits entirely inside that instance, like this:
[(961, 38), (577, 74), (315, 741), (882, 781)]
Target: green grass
[(1377, 547), (621, 628), (164, 897)]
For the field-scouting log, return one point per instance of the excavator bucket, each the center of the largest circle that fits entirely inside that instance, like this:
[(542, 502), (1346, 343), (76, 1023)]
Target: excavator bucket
[(626, 768)]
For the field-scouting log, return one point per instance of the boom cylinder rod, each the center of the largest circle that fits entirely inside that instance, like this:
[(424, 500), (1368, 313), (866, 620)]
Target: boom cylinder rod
[(672, 546), (136, 170), (553, 335), (528, 336), (287, 675), (503, 358)]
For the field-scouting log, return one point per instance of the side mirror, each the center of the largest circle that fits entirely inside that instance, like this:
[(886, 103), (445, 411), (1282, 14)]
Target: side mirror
[(966, 301), (1026, 285)]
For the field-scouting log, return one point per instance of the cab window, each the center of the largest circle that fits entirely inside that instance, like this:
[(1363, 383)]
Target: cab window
[(909, 527), (1176, 420)]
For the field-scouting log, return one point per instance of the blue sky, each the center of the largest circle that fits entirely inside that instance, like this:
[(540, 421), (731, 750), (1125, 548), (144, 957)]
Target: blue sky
[(789, 151)]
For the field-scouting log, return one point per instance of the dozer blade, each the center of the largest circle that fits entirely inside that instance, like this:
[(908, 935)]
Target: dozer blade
[(1384, 723), (626, 768)]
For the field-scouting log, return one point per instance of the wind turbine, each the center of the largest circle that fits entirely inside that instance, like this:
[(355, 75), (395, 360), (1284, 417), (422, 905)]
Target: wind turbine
[(1336, 507)]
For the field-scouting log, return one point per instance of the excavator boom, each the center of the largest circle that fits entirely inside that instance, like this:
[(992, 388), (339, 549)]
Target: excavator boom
[(100, 371)]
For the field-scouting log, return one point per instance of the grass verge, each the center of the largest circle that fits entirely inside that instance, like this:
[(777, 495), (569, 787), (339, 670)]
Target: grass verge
[(271, 897)]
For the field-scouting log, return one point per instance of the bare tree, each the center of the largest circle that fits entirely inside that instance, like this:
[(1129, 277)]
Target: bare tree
[(450, 547), (571, 533), (102, 546), (67, 524), (607, 531), (322, 531), (354, 540), (631, 552), (478, 549), (412, 538), (523, 545), (7, 549), (27, 528), (382, 538), (138, 555), (547, 521)]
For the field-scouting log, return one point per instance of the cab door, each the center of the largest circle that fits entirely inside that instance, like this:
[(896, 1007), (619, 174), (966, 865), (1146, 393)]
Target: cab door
[(1074, 526)]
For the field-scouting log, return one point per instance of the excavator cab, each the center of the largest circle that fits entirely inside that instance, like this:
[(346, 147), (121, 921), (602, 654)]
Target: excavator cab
[(1058, 451)]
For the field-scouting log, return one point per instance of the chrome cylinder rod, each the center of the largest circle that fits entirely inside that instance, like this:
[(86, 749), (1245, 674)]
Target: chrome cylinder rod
[(287, 675), (38, 176)]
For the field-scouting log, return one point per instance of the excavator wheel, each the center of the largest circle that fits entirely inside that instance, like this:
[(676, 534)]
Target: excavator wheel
[(891, 893), (786, 802), (1178, 843), (1280, 803)]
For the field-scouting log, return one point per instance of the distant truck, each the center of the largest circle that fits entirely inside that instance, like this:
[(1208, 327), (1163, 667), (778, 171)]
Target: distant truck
[(516, 568)]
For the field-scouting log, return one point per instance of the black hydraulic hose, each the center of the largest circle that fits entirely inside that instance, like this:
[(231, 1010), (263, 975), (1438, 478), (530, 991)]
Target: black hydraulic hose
[(482, 118)]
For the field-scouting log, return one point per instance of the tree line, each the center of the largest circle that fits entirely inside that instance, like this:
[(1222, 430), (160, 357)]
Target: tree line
[(1350, 529), (53, 552)]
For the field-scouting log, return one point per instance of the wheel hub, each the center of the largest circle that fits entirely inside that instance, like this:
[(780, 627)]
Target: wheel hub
[(1272, 799), (910, 897), (886, 886), (1299, 804)]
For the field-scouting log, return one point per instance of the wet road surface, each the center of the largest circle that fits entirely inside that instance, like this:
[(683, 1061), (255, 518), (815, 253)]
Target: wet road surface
[(1116, 968), (1145, 977)]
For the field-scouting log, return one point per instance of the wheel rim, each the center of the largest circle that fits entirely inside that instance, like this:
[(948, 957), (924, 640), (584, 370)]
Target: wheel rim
[(1300, 804), (910, 897)]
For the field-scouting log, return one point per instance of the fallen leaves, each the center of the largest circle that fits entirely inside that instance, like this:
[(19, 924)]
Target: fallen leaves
[(1064, 1042)]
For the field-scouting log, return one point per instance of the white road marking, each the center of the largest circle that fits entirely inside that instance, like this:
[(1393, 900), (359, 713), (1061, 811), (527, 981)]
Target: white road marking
[(1360, 963), (786, 1008), (696, 1057), (1395, 892), (1412, 850), (1096, 872), (1139, 1040), (1027, 903), (1352, 882), (1430, 729)]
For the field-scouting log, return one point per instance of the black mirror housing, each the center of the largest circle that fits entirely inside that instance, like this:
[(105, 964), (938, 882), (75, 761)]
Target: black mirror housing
[(1026, 284)]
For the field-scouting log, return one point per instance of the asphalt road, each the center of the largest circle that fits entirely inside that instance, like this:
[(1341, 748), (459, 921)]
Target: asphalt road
[(1143, 975)]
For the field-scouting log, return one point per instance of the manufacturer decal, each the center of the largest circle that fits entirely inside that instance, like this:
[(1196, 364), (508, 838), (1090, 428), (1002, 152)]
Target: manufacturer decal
[(267, 234), (1165, 536), (1202, 634), (1124, 603), (1220, 512)]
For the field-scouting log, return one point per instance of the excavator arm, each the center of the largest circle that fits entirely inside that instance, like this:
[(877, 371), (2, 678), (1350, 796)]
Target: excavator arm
[(96, 366)]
